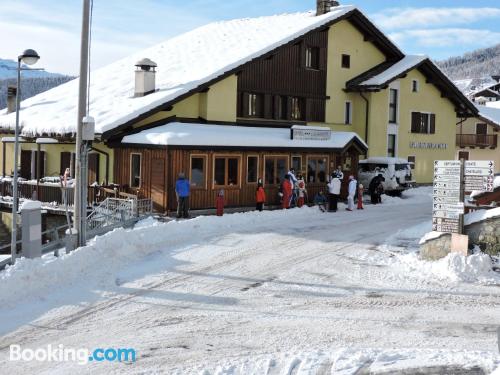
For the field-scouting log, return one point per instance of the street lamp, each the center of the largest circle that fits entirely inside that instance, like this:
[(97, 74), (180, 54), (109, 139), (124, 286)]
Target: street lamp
[(29, 57)]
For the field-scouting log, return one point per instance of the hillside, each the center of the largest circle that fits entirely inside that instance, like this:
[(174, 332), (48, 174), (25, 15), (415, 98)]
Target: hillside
[(32, 83), (478, 64)]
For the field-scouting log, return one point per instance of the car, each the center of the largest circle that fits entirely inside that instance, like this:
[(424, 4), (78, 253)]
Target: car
[(397, 173)]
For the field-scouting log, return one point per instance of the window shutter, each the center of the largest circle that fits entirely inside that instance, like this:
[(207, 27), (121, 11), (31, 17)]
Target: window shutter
[(415, 122), (309, 109), (268, 106), (289, 108), (41, 171), (303, 55), (26, 164), (65, 162), (322, 58), (433, 124), (276, 107), (93, 168), (244, 104)]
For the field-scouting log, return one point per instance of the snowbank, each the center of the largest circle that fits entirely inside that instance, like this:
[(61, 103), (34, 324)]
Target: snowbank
[(480, 215)]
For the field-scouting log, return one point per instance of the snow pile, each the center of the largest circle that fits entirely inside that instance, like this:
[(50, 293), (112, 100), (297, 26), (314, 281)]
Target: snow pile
[(480, 215), (430, 236)]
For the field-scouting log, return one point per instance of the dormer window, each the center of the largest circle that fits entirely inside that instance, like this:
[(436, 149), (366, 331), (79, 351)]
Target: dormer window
[(312, 58), (414, 85)]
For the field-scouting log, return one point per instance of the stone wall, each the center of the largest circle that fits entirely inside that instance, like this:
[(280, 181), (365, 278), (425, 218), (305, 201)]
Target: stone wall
[(485, 234)]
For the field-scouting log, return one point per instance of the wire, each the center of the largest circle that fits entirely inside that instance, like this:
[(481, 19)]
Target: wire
[(89, 54)]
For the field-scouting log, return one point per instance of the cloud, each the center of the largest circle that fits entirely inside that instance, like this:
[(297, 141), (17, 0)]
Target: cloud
[(447, 37), (406, 18)]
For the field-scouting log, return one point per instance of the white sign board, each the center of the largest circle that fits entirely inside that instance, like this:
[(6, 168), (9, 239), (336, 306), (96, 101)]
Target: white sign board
[(447, 207), (479, 175)]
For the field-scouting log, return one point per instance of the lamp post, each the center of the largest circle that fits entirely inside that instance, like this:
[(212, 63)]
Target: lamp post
[(29, 57)]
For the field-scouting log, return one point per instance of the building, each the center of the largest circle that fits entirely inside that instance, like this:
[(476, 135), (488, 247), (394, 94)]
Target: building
[(477, 137), (259, 77)]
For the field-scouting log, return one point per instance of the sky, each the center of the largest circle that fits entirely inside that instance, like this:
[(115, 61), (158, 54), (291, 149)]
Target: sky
[(439, 28)]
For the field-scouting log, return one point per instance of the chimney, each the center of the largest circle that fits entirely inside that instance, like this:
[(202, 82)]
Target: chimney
[(145, 77), (324, 6), (11, 99)]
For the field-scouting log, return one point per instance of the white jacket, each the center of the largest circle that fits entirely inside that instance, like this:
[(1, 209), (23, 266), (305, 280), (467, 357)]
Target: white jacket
[(334, 186), (352, 187)]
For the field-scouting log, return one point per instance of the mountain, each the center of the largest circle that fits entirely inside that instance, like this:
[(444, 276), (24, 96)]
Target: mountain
[(33, 82), (479, 64)]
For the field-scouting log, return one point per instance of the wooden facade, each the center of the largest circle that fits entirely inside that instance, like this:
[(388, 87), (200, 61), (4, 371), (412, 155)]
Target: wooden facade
[(287, 74), (161, 166)]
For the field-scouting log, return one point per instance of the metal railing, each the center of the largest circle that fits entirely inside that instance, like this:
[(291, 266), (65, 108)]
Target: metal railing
[(477, 140)]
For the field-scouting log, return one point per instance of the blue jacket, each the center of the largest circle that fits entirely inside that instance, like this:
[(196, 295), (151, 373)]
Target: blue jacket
[(182, 187)]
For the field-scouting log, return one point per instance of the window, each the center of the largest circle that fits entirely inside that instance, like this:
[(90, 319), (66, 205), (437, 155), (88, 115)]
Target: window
[(297, 108), (275, 169), (254, 105), (226, 171), (280, 107), (198, 175), (411, 160), (423, 123), (316, 169), (135, 170), (463, 155), (312, 58), (346, 61), (297, 163), (348, 113), (393, 106), (391, 145), (414, 85), (252, 169)]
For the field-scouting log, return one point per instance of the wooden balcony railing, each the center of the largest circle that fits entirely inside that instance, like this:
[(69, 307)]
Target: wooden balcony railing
[(477, 140)]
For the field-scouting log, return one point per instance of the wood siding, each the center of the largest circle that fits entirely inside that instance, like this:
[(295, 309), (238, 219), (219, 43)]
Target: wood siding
[(285, 74), (158, 178)]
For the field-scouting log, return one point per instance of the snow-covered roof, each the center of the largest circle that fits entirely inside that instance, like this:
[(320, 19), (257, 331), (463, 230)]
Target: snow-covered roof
[(383, 160), (490, 113), (402, 66), (184, 63), (186, 134), (480, 215)]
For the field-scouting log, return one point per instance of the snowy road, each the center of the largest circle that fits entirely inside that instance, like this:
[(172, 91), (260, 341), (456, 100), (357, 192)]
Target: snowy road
[(275, 292)]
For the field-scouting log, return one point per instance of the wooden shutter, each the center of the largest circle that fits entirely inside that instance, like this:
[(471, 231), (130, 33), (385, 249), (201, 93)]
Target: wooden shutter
[(309, 109), (322, 58), (93, 168), (433, 124), (26, 164), (415, 122), (303, 55), (244, 104), (289, 108), (276, 107), (268, 106), (41, 171), (65, 162)]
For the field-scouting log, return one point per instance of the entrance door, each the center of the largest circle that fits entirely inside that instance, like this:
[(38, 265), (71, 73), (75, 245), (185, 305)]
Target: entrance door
[(481, 131), (158, 184)]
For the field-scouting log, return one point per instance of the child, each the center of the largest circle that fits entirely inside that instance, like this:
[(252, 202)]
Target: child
[(287, 192), (260, 196), (360, 196), (301, 184), (320, 200)]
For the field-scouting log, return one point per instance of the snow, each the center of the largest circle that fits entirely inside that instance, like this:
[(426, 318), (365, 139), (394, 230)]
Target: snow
[(405, 64), (279, 292), (184, 134), (13, 139), (31, 205), (383, 160), (184, 63), (493, 104), (480, 215), (431, 236), (490, 113)]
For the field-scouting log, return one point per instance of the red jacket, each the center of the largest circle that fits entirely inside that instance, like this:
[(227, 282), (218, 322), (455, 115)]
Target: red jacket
[(260, 195)]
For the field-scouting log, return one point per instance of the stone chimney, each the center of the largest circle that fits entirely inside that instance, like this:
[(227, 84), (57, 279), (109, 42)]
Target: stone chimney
[(11, 99), (324, 6), (145, 77)]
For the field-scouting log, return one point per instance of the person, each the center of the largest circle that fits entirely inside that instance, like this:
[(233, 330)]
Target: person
[(287, 192), (360, 196), (340, 174), (333, 192), (372, 188), (293, 179), (260, 196), (380, 191), (320, 201), (301, 186), (182, 188), (351, 190)]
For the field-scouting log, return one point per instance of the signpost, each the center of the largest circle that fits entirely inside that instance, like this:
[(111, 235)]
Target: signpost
[(451, 180)]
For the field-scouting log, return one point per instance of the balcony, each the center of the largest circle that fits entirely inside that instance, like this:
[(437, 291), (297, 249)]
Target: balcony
[(477, 140)]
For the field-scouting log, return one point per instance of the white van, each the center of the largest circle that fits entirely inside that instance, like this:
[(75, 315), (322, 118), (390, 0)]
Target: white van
[(396, 172)]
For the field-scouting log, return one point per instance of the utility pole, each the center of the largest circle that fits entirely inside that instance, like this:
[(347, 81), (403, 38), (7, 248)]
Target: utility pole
[(80, 206)]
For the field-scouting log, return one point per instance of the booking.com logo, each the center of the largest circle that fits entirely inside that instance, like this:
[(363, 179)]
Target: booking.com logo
[(62, 354)]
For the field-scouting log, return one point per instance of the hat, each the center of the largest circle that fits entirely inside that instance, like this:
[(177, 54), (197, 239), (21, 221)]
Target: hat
[(351, 177), (181, 175)]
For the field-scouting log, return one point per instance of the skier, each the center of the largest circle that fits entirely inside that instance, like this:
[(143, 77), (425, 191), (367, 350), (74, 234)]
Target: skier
[(333, 192), (260, 196), (182, 193), (287, 192), (351, 192), (360, 196), (320, 201), (301, 186)]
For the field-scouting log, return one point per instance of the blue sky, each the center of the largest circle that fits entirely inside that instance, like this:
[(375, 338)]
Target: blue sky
[(438, 28)]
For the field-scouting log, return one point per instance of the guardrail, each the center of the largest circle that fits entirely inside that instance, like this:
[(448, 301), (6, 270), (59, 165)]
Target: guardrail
[(477, 140)]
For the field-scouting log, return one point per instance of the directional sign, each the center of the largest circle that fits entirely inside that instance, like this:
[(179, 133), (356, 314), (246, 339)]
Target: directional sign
[(479, 171), (446, 193), (445, 225), (450, 178), (446, 171), (447, 185), (448, 200), (446, 214), (454, 208), (447, 163), (479, 175), (487, 164)]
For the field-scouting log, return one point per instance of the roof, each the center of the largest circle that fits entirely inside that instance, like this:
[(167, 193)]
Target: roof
[(218, 136), (490, 114), (383, 160), (184, 63), (382, 75)]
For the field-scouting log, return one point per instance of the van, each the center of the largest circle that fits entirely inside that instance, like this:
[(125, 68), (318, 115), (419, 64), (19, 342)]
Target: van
[(397, 173)]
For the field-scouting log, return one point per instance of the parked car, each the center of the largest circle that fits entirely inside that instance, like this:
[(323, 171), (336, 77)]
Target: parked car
[(396, 172)]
